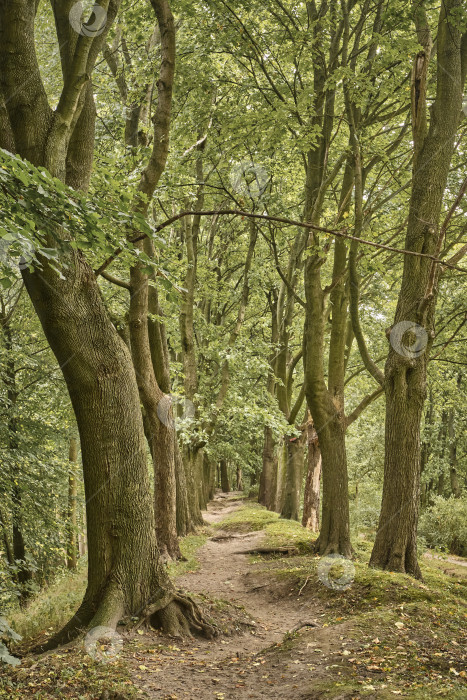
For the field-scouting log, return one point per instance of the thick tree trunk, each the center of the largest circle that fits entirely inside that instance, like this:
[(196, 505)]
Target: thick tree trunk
[(225, 485), (125, 574), (294, 452), (72, 524), (395, 545), (161, 365), (311, 499)]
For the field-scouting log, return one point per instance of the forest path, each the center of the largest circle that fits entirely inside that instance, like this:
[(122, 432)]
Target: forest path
[(253, 664)]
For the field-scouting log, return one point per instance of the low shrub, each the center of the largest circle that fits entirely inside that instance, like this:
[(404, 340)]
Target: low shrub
[(444, 525)]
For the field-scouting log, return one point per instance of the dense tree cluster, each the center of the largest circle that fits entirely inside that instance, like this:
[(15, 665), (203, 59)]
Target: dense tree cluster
[(231, 251)]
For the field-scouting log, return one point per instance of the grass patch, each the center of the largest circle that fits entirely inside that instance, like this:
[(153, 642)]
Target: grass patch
[(50, 609), (278, 532), (247, 518), (409, 636), (189, 546)]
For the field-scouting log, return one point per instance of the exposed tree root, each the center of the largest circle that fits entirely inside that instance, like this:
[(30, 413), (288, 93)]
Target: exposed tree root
[(177, 615), (301, 625)]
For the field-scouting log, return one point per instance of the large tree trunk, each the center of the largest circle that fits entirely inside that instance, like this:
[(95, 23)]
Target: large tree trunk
[(125, 574), (311, 498), (294, 451), (191, 460), (395, 545)]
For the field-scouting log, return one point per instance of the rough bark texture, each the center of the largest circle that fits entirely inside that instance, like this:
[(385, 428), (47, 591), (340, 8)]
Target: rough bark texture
[(125, 575), (395, 546), (158, 419), (294, 447), (268, 475), (311, 498)]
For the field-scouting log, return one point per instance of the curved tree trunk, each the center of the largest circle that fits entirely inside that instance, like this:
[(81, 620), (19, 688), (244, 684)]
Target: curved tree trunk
[(125, 574)]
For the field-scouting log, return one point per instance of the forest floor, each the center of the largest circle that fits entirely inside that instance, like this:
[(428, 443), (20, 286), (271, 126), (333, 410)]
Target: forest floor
[(378, 636)]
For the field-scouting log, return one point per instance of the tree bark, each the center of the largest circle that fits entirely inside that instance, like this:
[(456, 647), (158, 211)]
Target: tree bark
[(158, 418), (294, 450), (268, 475), (125, 574), (311, 499), (395, 545), (225, 485)]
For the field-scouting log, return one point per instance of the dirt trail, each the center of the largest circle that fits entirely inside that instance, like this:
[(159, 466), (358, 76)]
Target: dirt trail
[(250, 664)]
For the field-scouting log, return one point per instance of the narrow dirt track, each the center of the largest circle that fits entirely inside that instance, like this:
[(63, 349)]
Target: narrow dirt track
[(250, 664)]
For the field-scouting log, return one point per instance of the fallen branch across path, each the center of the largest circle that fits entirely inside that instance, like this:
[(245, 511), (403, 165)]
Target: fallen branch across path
[(270, 550)]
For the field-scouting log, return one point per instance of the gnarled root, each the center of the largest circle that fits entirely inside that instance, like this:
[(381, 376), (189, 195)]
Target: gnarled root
[(177, 615)]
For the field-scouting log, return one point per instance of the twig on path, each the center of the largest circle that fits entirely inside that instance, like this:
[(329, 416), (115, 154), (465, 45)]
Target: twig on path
[(301, 589)]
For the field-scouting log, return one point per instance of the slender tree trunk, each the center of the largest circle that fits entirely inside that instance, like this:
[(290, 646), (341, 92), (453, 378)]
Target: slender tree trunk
[(452, 446), (6, 539), (294, 450), (280, 476), (24, 575), (225, 485), (311, 499), (268, 474), (239, 485), (159, 418), (72, 525), (330, 424)]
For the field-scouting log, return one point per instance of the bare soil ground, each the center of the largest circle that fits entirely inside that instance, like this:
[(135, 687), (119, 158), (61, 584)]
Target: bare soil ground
[(262, 662)]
